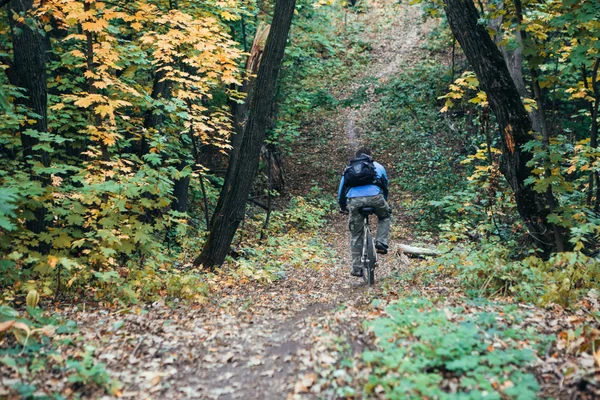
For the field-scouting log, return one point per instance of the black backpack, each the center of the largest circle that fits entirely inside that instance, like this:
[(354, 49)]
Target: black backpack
[(360, 172)]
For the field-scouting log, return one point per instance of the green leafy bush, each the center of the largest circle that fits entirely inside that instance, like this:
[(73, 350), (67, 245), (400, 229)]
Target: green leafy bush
[(495, 268), (34, 341), (420, 344)]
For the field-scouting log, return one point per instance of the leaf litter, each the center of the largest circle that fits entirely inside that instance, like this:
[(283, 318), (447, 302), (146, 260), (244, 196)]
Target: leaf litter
[(303, 336)]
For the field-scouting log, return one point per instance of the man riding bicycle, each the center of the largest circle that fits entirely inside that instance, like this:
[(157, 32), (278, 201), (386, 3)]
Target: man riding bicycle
[(365, 184)]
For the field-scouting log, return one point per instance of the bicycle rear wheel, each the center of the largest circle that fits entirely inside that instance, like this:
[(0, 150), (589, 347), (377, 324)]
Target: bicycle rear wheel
[(369, 263)]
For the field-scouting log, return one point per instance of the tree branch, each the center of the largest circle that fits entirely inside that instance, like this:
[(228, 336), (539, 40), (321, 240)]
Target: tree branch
[(595, 76), (258, 203), (417, 251)]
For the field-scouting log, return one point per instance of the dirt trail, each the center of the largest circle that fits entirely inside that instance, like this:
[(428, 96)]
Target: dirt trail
[(266, 341), (268, 352), (277, 341), (396, 39)]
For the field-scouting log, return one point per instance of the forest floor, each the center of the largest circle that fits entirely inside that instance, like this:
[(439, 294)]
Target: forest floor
[(301, 336), (259, 341)]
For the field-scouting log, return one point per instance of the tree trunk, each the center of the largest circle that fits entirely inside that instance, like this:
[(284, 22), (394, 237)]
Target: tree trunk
[(240, 111), (263, 232), (181, 187), (594, 179), (181, 192), (514, 63), (238, 184), (28, 71), (594, 128), (505, 103), (541, 112), (161, 88)]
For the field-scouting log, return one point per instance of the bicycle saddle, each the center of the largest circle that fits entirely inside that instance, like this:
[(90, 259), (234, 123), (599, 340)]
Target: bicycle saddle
[(366, 211)]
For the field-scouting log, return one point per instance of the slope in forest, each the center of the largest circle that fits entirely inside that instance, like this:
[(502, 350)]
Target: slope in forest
[(316, 332)]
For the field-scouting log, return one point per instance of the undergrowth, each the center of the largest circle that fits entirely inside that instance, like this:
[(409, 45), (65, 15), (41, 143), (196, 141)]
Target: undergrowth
[(490, 268), (429, 350), (408, 135), (289, 241), (34, 341)]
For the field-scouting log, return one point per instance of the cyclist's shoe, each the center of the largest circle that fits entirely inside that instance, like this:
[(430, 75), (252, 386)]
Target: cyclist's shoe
[(356, 272), (381, 248)]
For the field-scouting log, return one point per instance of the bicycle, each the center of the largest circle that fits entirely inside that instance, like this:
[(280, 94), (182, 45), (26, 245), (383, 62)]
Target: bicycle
[(368, 260)]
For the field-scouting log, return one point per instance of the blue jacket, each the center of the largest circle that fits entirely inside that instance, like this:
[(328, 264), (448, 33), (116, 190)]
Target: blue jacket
[(368, 190)]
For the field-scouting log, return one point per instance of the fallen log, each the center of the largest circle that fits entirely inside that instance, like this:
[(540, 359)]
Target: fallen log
[(416, 251)]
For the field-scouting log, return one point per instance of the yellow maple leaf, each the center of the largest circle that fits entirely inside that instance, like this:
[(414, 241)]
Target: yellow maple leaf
[(95, 26), (105, 110), (85, 102), (57, 106)]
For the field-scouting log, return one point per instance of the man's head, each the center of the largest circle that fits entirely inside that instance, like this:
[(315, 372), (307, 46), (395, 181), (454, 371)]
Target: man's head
[(363, 150)]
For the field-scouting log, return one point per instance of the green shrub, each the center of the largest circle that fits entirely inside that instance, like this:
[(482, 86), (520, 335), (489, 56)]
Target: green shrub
[(495, 268), (35, 341), (420, 344)]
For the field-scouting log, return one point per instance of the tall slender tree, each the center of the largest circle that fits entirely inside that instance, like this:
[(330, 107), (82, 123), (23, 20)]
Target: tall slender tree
[(244, 162), (541, 112), (515, 126), (28, 71), (513, 56)]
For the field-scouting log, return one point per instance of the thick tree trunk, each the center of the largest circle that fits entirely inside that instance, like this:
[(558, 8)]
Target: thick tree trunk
[(181, 192), (161, 89), (181, 188), (241, 173), (28, 71), (505, 103), (240, 111)]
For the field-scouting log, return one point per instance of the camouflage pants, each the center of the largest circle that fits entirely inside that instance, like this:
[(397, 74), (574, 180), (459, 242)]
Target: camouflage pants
[(383, 212)]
